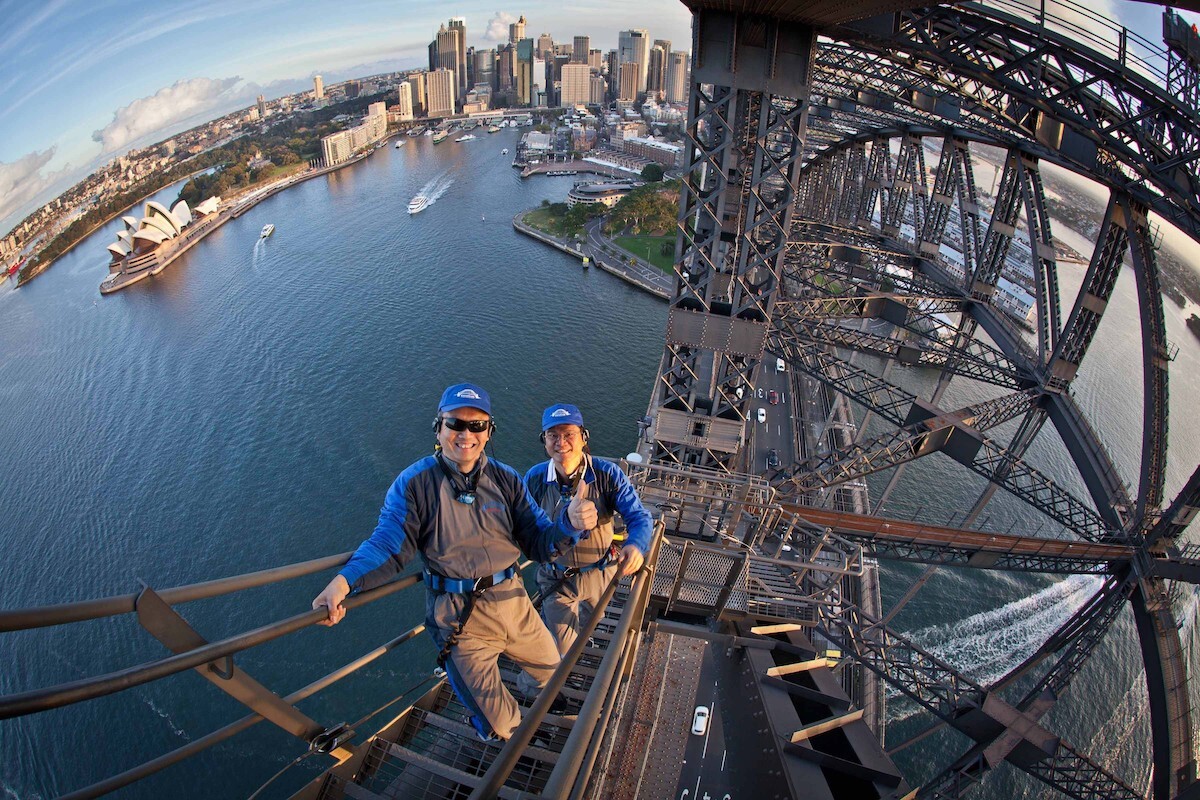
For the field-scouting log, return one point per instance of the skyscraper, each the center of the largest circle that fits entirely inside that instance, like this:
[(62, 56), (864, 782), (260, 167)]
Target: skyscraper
[(656, 71), (417, 81), (506, 67), (633, 47), (525, 75), (459, 24), (318, 88), (576, 85), (441, 92), (545, 47), (516, 30), (627, 86), (446, 52), (677, 77), (595, 60), (404, 104), (580, 50), (262, 107), (485, 68)]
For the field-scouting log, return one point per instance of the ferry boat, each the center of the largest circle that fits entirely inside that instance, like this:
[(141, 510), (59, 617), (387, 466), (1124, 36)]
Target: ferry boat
[(15, 268), (493, 129), (440, 136), (399, 144), (267, 230), (418, 204)]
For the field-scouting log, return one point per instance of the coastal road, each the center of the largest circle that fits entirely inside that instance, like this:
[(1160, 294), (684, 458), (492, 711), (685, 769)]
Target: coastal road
[(598, 243)]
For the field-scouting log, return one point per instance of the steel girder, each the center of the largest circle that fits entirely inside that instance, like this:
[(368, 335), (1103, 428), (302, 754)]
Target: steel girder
[(965, 705), (904, 444), (744, 144), (1105, 118), (989, 460)]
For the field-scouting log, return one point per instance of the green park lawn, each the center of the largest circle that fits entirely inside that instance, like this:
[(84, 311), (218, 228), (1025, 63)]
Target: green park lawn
[(650, 248)]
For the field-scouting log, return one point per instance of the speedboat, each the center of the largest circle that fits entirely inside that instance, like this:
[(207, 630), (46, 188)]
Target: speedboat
[(267, 230), (399, 144), (504, 152), (470, 137), (418, 204)]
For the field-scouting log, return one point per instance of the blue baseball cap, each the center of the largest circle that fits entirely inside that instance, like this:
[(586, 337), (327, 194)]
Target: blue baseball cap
[(465, 395), (561, 414)]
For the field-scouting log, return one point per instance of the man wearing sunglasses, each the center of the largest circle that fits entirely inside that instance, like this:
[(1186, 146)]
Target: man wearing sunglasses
[(572, 581), (470, 518)]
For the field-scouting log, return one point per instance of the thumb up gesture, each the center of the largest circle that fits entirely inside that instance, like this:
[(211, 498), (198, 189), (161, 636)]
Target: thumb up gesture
[(581, 511)]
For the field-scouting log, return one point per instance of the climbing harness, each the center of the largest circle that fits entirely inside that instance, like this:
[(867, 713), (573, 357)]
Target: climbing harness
[(472, 588)]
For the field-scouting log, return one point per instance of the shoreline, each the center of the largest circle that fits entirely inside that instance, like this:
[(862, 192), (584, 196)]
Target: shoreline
[(662, 289)]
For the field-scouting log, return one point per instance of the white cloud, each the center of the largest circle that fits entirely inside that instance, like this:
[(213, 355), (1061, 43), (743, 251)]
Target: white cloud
[(497, 29), (22, 180), (181, 101)]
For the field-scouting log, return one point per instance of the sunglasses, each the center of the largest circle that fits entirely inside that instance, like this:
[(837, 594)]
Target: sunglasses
[(473, 425)]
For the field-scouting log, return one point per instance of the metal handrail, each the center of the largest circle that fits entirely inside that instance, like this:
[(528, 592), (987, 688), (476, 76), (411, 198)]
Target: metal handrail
[(506, 760), (148, 768), (43, 616), (16, 705)]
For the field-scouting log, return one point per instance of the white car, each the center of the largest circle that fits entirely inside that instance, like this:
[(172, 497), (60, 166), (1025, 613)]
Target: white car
[(700, 720), (762, 415)]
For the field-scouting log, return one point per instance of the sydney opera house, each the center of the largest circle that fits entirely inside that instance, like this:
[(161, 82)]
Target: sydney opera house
[(146, 246)]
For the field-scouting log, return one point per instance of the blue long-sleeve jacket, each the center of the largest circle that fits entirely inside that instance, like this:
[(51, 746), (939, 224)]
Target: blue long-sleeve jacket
[(609, 488), (421, 515)]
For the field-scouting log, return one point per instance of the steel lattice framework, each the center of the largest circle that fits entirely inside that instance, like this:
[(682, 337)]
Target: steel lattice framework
[(881, 233)]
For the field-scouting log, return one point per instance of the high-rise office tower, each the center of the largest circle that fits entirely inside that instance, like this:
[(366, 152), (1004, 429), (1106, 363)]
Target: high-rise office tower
[(613, 74), (417, 84), (598, 87), (459, 24), (506, 67), (441, 92), (545, 47), (262, 107), (633, 47), (404, 104), (516, 30), (445, 53), (318, 88), (627, 88), (677, 77), (576, 85), (525, 75), (595, 60), (580, 49), (656, 71), (485, 68)]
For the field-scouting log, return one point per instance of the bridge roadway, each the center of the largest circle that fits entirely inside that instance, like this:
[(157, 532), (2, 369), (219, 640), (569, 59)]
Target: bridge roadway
[(908, 540)]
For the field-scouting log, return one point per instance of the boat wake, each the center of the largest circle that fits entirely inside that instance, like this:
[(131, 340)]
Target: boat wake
[(987, 645), (437, 186)]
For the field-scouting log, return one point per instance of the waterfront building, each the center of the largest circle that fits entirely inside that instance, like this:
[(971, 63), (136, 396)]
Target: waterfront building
[(651, 149), (318, 88), (459, 26), (440, 85), (576, 85), (604, 193), (516, 30), (404, 102), (337, 147), (536, 146), (676, 87), (580, 48), (417, 84), (633, 47), (627, 86)]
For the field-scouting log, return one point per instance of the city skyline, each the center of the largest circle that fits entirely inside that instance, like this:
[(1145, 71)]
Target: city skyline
[(132, 80), (85, 83)]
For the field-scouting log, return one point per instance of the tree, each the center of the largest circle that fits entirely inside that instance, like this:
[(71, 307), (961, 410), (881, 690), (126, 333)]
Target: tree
[(652, 172)]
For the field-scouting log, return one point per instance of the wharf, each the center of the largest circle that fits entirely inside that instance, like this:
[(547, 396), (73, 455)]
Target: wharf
[(573, 167)]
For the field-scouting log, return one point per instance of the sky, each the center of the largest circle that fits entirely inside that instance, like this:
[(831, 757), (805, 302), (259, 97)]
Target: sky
[(83, 81)]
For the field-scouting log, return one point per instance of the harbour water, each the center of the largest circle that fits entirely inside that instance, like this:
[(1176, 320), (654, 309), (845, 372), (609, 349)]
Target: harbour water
[(249, 407)]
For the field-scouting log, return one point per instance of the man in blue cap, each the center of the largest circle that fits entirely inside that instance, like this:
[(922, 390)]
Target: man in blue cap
[(470, 518), (572, 581)]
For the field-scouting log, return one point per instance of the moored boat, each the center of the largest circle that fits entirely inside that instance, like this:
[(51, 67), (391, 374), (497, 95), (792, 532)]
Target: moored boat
[(440, 136)]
